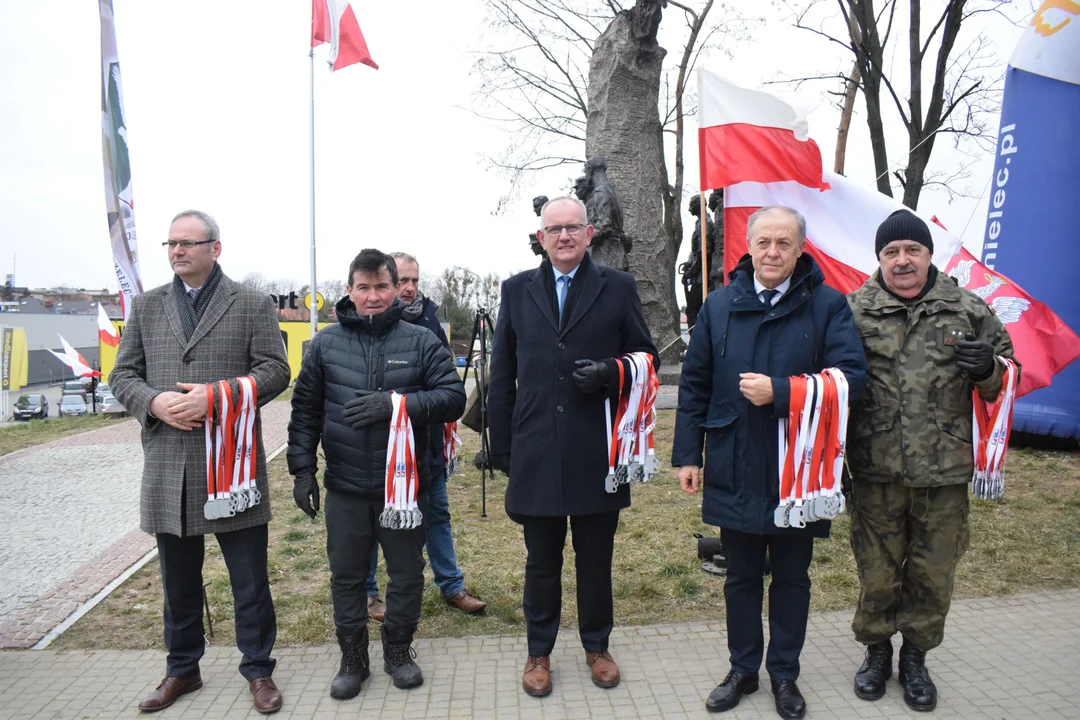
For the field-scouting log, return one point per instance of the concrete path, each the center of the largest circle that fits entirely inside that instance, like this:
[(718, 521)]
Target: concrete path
[(1013, 657), (69, 524)]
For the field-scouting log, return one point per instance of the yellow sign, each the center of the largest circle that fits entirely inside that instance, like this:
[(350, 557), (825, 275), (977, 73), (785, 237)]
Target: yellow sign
[(319, 300)]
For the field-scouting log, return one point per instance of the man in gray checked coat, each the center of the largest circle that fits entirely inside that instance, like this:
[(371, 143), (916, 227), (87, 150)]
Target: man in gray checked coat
[(200, 328)]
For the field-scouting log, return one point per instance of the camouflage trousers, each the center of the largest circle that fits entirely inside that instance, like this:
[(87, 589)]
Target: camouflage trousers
[(907, 542)]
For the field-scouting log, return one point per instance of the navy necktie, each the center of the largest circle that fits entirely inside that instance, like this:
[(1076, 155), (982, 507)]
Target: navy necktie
[(564, 285), (767, 296)]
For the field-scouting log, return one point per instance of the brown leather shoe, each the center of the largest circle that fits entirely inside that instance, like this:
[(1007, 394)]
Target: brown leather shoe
[(605, 673), (168, 691), (376, 608), (267, 695), (466, 603), (536, 680)]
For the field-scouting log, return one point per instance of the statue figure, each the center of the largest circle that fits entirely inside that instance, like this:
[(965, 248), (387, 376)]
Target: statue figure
[(610, 244), (691, 269), (534, 244), (716, 256)]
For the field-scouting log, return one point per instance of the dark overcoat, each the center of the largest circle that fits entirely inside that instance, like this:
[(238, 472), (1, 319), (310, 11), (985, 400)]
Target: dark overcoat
[(237, 335), (554, 433), (809, 329)]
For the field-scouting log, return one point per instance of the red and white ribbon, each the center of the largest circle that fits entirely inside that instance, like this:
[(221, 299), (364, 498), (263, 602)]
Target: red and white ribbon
[(992, 425), (451, 445), (631, 457), (401, 511), (230, 448), (811, 444)]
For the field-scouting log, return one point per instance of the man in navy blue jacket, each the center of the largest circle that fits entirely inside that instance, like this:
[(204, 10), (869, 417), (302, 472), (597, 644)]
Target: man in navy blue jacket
[(420, 310), (774, 319)]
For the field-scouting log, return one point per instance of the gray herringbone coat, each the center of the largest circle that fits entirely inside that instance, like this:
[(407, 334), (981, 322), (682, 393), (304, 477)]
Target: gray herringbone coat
[(237, 335)]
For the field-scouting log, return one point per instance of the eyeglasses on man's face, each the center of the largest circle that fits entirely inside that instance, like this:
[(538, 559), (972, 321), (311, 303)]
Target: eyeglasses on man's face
[(186, 244), (556, 230)]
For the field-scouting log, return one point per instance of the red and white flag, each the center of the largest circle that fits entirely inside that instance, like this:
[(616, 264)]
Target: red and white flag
[(333, 21), (74, 360), (106, 332), (842, 218), (749, 135), (1043, 343)]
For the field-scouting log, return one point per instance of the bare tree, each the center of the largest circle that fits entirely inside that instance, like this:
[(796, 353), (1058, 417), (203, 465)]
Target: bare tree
[(535, 85), (960, 99)]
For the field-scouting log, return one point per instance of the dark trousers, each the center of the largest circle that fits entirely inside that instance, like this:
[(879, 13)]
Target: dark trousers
[(789, 600), (181, 578), (594, 539), (352, 529)]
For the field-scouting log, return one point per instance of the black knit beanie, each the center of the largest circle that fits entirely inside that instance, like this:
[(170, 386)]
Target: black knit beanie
[(903, 225)]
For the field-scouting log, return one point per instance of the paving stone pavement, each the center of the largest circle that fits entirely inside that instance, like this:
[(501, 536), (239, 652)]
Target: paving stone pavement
[(1013, 657), (63, 540)]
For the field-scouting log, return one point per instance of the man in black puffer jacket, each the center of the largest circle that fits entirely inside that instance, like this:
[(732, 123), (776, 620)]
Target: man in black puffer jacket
[(342, 397)]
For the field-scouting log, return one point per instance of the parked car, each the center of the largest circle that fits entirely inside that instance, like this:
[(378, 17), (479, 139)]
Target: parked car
[(28, 407), (102, 390), (75, 387), (109, 405), (72, 405)]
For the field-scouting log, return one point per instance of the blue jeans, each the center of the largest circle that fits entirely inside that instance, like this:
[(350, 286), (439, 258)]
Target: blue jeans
[(440, 543)]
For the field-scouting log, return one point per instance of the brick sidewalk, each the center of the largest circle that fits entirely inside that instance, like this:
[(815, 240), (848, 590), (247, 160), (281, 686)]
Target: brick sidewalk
[(1013, 657), (53, 561)]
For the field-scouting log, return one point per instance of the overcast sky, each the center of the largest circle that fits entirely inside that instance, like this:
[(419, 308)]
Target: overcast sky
[(216, 100)]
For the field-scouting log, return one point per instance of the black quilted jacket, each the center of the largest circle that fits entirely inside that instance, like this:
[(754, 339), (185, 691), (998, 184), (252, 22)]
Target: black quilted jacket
[(368, 353)]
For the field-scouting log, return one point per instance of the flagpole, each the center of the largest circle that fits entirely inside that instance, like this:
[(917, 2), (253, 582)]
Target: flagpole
[(704, 216), (313, 308)]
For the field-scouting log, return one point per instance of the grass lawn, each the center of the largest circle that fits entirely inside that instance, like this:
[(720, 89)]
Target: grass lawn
[(1029, 542), (37, 432)]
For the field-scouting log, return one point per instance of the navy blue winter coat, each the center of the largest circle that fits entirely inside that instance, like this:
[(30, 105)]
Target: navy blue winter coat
[(809, 329), (428, 319)]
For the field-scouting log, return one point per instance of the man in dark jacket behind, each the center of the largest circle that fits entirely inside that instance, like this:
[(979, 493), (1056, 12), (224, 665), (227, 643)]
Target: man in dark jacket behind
[(774, 319), (553, 367), (420, 310), (342, 397)]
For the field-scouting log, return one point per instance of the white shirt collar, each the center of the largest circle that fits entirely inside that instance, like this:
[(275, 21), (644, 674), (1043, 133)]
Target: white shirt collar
[(782, 288), (188, 288)]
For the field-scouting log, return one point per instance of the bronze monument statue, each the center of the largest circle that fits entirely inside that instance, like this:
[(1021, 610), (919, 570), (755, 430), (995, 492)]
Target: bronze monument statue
[(610, 244)]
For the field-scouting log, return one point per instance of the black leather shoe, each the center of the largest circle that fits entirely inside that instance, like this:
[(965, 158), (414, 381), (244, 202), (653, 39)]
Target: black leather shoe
[(789, 701), (919, 691), (875, 670), (728, 693)]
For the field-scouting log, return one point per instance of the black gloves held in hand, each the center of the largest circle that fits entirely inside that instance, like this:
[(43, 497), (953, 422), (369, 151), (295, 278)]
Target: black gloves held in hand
[(306, 494), (499, 461), (367, 408), (975, 357), (590, 375)]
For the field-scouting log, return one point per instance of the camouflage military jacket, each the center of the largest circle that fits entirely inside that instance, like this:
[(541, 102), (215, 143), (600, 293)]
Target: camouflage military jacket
[(913, 422)]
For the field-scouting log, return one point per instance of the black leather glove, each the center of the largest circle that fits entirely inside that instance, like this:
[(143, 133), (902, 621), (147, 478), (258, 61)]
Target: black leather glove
[(590, 375), (499, 461), (305, 494), (368, 408), (975, 357)]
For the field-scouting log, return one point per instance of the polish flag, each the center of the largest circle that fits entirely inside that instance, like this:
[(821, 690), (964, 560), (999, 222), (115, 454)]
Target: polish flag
[(74, 360), (1043, 343), (106, 332), (333, 21), (841, 222), (749, 135)]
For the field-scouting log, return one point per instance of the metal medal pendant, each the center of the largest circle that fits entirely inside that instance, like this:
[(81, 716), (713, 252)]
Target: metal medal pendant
[(780, 516)]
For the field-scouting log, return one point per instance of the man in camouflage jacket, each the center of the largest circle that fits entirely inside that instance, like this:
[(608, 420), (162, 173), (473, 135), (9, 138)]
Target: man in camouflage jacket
[(928, 344)]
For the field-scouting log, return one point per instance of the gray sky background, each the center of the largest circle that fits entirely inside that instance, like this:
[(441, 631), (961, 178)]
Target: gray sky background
[(216, 98)]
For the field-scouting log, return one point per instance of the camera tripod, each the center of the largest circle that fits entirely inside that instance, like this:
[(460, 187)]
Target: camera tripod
[(482, 330)]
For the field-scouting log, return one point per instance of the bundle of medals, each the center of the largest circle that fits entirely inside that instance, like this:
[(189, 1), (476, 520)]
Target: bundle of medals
[(992, 425), (630, 436), (400, 511), (451, 445), (812, 441), (230, 448)]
